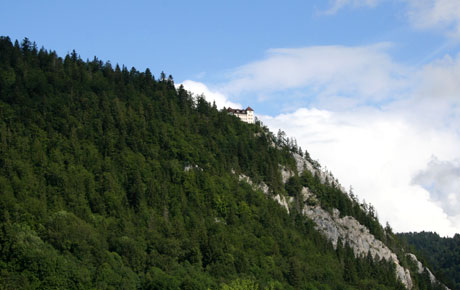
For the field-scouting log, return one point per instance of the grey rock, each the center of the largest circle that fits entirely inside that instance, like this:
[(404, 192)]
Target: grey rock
[(286, 174), (358, 237)]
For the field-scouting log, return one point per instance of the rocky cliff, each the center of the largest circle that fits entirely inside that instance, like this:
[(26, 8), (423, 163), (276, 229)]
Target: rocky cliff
[(335, 227)]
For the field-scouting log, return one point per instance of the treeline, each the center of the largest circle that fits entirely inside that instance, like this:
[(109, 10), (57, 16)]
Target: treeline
[(111, 178)]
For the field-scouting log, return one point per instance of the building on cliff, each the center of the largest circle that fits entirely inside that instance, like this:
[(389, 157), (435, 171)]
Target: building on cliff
[(246, 115)]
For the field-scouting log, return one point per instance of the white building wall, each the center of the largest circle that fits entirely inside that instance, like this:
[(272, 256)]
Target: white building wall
[(250, 117), (247, 117)]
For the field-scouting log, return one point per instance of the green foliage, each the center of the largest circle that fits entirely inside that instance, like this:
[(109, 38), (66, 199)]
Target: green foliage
[(241, 285), (112, 179), (442, 254)]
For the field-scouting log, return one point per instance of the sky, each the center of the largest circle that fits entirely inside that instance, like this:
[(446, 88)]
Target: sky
[(369, 87)]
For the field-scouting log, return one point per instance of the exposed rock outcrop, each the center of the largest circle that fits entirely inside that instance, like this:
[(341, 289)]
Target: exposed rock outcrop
[(302, 164), (282, 201), (256, 186), (192, 167), (324, 176), (286, 174), (334, 227), (347, 228), (350, 231), (421, 268)]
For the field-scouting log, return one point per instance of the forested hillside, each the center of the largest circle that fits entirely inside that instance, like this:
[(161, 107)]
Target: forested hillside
[(442, 253), (114, 179)]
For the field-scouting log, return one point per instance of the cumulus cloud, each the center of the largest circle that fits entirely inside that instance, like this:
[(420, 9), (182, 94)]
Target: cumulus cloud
[(378, 124), (198, 88), (379, 149), (378, 153), (442, 14), (373, 122), (366, 72), (442, 180)]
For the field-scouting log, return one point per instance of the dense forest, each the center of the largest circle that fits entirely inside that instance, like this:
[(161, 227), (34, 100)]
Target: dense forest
[(442, 253), (111, 178)]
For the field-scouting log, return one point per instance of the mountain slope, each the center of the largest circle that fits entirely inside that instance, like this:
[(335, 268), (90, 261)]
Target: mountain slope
[(442, 253), (111, 178)]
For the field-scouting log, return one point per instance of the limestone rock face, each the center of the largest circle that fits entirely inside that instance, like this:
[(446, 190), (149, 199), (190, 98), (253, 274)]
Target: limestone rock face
[(334, 227), (350, 231), (286, 174), (282, 201), (324, 176), (347, 228), (261, 186), (421, 268), (302, 164)]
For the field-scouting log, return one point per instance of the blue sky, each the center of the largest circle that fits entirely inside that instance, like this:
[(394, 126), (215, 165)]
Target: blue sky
[(206, 38), (369, 87)]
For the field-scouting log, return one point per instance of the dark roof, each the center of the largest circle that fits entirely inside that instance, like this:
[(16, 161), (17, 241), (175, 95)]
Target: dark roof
[(240, 111)]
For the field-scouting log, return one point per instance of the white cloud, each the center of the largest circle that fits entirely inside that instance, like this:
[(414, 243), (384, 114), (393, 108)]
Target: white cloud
[(424, 14), (378, 153), (377, 125), (198, 88), (441, 79), (339, 4), (366, 72), (435, 95), (442, 14), (442, 180)]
